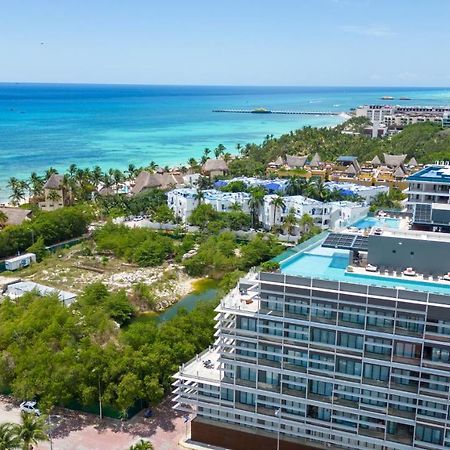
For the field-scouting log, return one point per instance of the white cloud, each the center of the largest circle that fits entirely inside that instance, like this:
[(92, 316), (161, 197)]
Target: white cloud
[(369, 30)]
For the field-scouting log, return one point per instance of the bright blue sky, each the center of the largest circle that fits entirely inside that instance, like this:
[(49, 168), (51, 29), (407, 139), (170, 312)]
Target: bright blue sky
[(250, 42)]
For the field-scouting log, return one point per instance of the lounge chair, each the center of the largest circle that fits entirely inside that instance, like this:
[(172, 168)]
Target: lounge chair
[(371, 268), (409, 272)]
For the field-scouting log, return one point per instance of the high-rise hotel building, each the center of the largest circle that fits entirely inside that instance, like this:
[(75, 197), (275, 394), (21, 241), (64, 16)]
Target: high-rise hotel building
[(348, 346)]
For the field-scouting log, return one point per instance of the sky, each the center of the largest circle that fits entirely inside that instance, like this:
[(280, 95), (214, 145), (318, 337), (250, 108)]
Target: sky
[(226, 42)]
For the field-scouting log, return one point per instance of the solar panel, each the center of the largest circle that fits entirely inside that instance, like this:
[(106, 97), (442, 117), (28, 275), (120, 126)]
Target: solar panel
[(346, 241)]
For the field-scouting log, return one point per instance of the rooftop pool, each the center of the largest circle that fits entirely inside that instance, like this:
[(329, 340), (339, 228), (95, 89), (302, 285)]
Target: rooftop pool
[(369, 222), (330, 264)]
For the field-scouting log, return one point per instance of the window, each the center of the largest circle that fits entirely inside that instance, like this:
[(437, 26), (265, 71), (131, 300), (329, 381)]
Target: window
[(349, 366), (377, 318), (405, 377), (433, 409), (246, 345), (353, 315), (378, 346), (350, 340), (296, 358), (246, 398), (320, 361), (297, 307), (226, 394), (248, 324), (297, 332), (322, 310), (436, 383), (271, 353), (246, 373), (429, 434), (274, 303), (407, 350), (320, 388), (271, 328), (440, 355), (439, 326), (402, 403), (323, 336), (376, 372), (373, 398), (410, 323)]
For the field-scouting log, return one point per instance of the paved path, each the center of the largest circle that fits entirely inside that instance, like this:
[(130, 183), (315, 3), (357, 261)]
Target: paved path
[(75, 431)]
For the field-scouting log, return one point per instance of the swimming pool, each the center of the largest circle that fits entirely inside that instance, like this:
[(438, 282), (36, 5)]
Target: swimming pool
[(330, 264), (369, 222)]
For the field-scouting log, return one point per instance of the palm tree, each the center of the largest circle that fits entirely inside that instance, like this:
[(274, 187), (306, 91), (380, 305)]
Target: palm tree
[(72, 170), (277, 202), (199, 196), (35, 184), (296, 186), (227, 157), (206, 152), (96, 176), (31, 431), (54, 195), (131, 171), (142, 445), (18, 189), (152, 166), (219, 151), (8, 437), (235, 207), (256, 200), (118, 177), (306, 222), (290, 222), (192, 163), (49, 172)]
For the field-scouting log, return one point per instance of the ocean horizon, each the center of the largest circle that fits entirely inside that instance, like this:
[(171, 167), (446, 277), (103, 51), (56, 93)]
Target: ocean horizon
[(43, 125)]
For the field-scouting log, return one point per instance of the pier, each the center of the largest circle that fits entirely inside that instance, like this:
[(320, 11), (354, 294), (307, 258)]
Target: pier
[(269, 111)]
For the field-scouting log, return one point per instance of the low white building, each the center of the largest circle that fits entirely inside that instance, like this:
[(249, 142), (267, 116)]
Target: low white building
[(183, 201), (278, 185), (368, 193), (20, 288), (325, 215)]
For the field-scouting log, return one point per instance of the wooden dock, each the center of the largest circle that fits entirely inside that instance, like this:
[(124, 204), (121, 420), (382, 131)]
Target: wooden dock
[(269, 111)]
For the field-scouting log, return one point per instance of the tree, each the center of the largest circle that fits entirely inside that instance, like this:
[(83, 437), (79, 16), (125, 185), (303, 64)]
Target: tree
[(36, 184), (8, 437), (219, 151), (306, 222), (199, 196), (295, 186), (39, 249), (54, 196), (142, 445), (32, 430), (290, 222), (3, 219), (17, 189), (129, 391), (277, 203), (256, 200)]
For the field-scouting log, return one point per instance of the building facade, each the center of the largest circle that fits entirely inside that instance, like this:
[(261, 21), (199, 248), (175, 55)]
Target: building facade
[(429, 197), (307, 362)]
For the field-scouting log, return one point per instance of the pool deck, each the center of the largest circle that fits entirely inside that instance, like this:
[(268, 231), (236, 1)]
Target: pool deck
[(399, 276)]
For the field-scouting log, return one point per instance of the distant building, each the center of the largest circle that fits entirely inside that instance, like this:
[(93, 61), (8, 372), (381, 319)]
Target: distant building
[(429, 197), (368, 193), (54, 193), (16, 216), (19, 262), (183, 201), (446, 120), (215, 168), (146, 180), (277, 185), (289, 161), (20, 288)]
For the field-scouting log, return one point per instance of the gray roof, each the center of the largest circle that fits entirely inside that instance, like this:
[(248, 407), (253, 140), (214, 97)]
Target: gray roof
[(351, 170), (315, 160), (147, 180), (399, 172), (295, 161), (394, 160), (22, 287), (55, 181), (347, 159), (215, 165), (278, 162), (375, 161), (412, 162), (15, 215)]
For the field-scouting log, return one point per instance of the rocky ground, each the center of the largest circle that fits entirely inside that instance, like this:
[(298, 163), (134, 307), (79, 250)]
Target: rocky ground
[(72, 271)]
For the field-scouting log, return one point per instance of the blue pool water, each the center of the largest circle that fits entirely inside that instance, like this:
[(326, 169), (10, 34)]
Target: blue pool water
[(331, 264), (369, 222)]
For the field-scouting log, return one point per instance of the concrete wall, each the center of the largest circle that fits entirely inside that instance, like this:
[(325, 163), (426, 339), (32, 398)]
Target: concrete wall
[(399, 253)]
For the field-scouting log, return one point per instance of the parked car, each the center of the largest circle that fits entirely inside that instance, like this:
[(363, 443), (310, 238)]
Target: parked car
[(30, 407)]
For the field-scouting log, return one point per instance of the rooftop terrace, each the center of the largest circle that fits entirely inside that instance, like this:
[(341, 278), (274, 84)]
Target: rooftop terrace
[(433, 173)]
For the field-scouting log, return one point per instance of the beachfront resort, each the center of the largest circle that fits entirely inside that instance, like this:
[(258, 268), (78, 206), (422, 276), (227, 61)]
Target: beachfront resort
[(346, 345)]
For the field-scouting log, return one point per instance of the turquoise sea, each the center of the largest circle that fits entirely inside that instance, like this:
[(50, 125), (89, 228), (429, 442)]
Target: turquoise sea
[(44, 125)]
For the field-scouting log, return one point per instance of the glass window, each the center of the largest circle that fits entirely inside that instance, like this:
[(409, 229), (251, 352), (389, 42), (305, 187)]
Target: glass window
[(376, 372), (373, 398), (322, 310), (244, 346), (350, 340), (246, 398), (247, 324), (271, 327), (320, 361), (297, 332), (432, 409), (296, 357), (323, 336), (377, 318), (407, 350), (245, 373), (320, 388), (378, 346), (297, 307), (429, 434), (410, 322), (352, 314), (349, 366), (274, 303), (271, 353)]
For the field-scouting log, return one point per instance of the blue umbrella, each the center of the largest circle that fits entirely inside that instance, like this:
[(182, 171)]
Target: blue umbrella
[(220, 183)]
